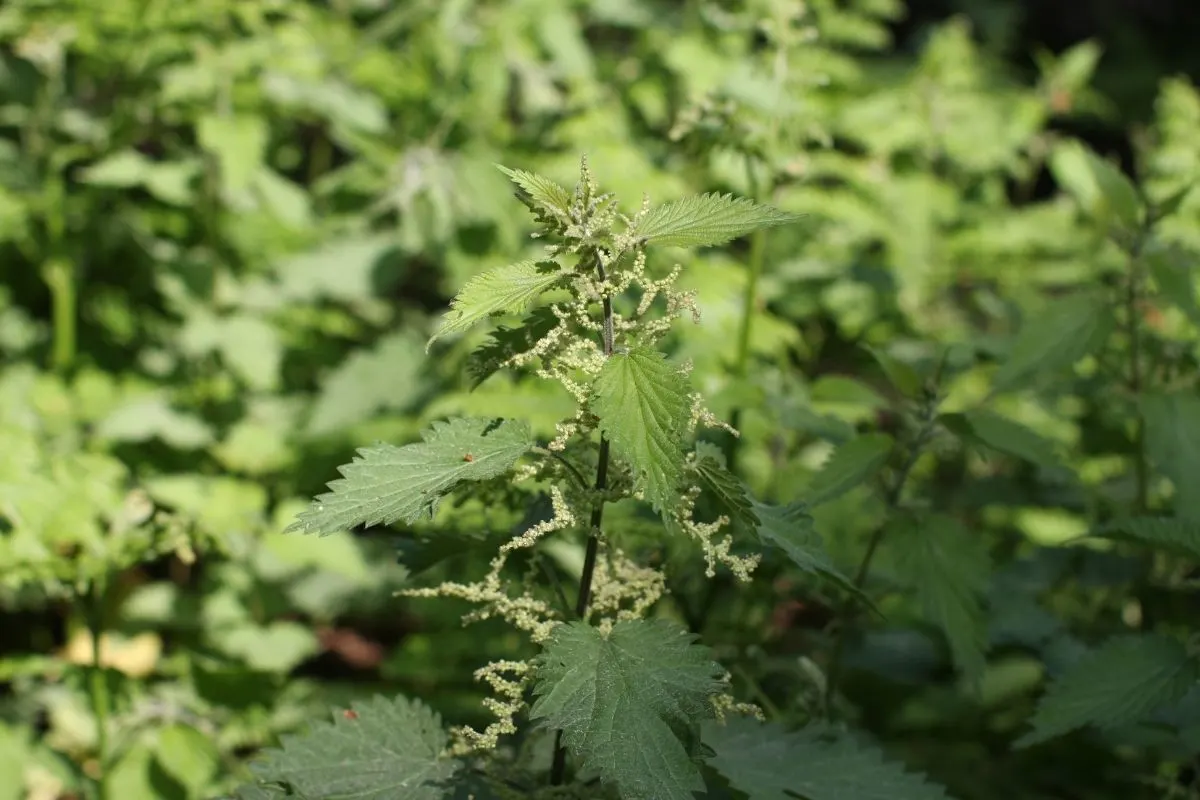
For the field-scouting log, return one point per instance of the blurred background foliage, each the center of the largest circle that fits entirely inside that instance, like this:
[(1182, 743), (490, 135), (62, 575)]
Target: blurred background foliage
[(226, 227)]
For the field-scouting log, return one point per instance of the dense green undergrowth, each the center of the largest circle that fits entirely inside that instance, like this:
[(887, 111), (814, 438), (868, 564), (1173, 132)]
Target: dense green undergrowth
[(958, 348)]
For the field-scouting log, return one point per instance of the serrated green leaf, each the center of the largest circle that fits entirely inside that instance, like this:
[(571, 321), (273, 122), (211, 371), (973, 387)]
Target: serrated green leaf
[(386, 483), (1181, 536), (1173, 443), (505, 343), (507, 290), (1172, 202), (1001, 434), (766, 762), (1055, 338), (1101, 189), (642, 402), (629, 704), (380, 750), (790, 528), (901, 375), (1125, 680), (729, 492), (706, 220), (1173, 272), (850, 465), (947, 568), (541, 191)]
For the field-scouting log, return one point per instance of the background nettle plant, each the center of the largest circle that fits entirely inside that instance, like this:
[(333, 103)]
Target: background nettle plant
[(633, 699)]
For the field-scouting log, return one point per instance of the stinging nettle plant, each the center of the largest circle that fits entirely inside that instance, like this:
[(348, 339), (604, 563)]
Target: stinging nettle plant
[(637, 707)]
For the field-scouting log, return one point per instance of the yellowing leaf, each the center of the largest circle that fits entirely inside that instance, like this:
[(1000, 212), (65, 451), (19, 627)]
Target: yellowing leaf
[(135, 656)]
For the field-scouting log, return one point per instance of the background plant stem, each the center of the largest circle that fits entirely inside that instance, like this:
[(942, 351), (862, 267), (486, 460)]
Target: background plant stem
[(754, 268), (97, 684), (892, 502), (1141, 465)]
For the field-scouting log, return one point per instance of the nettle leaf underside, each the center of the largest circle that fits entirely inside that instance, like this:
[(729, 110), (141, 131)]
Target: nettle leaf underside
[(507, 290), (629, 704), (386, 483), (643, 406), (707, 220), (379, 749), (766, 762)]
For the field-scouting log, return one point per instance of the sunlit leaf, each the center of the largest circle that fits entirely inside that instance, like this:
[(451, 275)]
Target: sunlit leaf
[(386, 483), (642, 402), (507, 290), (706, 220)]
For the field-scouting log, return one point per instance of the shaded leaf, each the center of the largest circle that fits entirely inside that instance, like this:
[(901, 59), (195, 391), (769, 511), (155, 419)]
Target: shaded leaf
[(1001, 434), (947, 568), (386, 483), (1173, 443), (1173, 271), (1055, 338), (901, 374), (706, 220), (505, 343), (790, 528), (729, 492), (767, 762), (1181, 536), (1125, 680), (377, 750), (851, 465), (507, 290), (629, 704), (643, 406)]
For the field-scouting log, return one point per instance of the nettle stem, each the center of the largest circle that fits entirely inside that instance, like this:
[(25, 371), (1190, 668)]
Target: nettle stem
[(833, 674), (758, 241), (559, 768), (98, 684), (1132, 296)]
